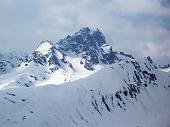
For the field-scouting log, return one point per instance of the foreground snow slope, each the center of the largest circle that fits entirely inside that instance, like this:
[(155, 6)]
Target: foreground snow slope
[(131, 93)]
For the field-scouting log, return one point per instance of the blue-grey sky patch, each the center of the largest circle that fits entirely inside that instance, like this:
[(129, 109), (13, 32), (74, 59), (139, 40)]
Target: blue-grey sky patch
[(141, 27)]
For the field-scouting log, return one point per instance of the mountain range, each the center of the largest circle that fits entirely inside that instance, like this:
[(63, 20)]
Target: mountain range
[(81, 81)]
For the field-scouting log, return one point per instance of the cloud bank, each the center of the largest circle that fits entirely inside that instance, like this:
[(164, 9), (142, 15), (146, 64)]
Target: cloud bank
[(141, 27)]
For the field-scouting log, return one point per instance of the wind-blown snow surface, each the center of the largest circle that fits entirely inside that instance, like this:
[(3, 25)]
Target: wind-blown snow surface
[(131, 93)]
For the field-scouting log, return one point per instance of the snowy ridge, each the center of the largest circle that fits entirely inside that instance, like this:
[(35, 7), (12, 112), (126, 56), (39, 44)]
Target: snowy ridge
[(132, 91), (98, 87)]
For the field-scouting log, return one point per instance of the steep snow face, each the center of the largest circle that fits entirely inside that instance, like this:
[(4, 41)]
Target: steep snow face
[(10, 61), (90, 46), (132, 91)]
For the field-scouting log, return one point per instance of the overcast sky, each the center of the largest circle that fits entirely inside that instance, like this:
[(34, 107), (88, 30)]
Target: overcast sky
[(140, 27)]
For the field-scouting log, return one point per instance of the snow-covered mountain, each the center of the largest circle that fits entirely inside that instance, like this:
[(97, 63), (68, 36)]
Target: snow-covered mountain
[(70, 59), (98, 87), (90, 46), (130, 93), (9, 61)]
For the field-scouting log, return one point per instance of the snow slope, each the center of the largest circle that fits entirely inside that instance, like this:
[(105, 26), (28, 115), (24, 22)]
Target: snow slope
[(130, 93), (99, 87)]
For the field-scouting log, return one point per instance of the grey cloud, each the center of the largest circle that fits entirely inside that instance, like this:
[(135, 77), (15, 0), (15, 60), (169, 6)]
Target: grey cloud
[(140, 27)]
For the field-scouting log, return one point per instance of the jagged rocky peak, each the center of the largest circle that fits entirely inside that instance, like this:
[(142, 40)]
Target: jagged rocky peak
[(90, 34), (82, 40), (91, 46)]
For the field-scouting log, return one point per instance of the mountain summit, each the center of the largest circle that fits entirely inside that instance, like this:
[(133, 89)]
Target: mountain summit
[(90, 46)]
